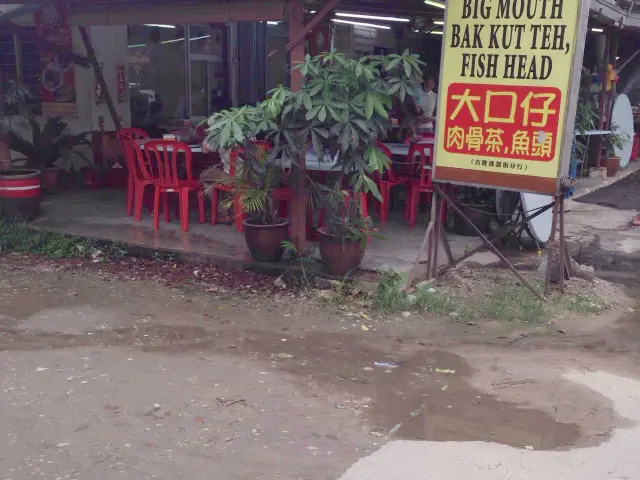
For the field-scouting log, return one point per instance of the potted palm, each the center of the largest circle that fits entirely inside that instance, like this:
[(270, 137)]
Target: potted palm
[(49, 145), (342, 112), (257, 179)]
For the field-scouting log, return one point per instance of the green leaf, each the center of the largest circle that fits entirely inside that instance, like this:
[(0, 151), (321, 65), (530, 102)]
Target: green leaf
[(379, 107), (407, 69), (369, 106), (311, 114), (393, 64), (322, 113), (225, 134)]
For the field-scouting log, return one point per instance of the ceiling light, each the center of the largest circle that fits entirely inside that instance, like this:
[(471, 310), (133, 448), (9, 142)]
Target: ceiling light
[(435, 3), (438, 22), (313, 11), (174, 41), (436, 32), (597, 30), (199, 38), (136, 46), (273, 23), (372, 25), (373, 17), (158, 25)]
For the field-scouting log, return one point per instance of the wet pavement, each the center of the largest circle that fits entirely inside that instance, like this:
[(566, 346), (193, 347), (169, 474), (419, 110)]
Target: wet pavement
[(101, 214)]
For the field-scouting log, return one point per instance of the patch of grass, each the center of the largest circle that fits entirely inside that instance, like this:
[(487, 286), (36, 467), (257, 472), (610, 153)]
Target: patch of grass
[(582, 304), (510, 303), (17, 237), (435, 302)]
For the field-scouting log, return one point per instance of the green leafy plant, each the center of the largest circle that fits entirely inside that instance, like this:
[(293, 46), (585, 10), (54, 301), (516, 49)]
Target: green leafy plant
[(49, 145), (616, 140), (587, 116), (343, 110), (254, 183), (340, 113)]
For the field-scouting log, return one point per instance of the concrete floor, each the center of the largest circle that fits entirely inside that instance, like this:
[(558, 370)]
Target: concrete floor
[(101, 214)]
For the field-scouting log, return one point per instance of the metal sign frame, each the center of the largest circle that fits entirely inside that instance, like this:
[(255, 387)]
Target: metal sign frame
[(523, 183)]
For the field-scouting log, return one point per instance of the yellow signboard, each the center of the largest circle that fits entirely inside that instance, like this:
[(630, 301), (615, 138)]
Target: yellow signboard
[(508, 93)]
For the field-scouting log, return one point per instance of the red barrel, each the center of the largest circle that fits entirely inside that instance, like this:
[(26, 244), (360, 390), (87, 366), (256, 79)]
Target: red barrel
[(20, 194)]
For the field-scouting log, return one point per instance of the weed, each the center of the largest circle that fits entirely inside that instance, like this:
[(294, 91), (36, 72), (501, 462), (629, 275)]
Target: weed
[(511, 303), (17, 237), (389, 295), (582, 304), (435, 302), (305, 279)]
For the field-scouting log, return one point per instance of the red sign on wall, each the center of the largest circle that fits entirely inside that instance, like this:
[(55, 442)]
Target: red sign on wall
[(513, 122), (57, 77)]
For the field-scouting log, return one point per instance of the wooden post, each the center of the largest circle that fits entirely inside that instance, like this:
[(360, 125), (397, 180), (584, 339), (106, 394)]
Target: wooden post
[(296, 54), (5, 150), (91, 54)]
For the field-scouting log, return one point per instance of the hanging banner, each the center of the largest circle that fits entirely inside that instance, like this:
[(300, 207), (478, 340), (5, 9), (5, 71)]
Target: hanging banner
[(508, 93), (58, 78)]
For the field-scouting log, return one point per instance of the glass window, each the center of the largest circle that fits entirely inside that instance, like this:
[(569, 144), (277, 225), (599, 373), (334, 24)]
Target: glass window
[(208, 69), (157, 79)]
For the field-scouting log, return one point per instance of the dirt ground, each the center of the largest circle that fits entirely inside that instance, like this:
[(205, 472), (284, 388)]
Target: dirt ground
[(622, 195), (110, 378)]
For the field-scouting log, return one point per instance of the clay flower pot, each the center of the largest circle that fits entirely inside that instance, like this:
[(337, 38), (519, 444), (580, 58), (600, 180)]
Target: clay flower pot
[(613, 165), (265, 241), (340, 256)]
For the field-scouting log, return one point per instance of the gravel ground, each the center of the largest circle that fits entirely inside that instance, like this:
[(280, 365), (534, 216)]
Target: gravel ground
[(113, 372)]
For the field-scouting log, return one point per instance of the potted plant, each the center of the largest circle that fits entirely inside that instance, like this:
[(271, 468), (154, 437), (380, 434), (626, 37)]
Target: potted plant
[(342, 112), (615, 140), (49, 145), (20, 193), (258, 176)]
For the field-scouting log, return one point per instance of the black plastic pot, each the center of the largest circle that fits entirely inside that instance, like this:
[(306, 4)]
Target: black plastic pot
[(20, 194), (265, 241), (340, 255)]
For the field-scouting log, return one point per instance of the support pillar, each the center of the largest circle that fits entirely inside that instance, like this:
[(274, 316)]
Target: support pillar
[(296, 54)]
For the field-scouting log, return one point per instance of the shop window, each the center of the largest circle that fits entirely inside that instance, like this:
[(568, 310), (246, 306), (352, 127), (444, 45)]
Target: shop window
[(157, 74), (21, 58)]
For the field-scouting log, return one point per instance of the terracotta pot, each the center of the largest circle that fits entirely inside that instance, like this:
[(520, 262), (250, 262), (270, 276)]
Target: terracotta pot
[(49, 179), (340, 256), (265, 241), (20, 194), (613, 165)]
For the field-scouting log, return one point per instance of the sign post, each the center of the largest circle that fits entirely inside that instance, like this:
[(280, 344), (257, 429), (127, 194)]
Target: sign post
[(509, 82), (508, 93)]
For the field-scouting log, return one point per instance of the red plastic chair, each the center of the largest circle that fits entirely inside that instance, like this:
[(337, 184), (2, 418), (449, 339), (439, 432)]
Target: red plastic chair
[(166, 154), (282, 195), (141, 173), (386, 182), (422, 181), (134, 134), (228, 188)]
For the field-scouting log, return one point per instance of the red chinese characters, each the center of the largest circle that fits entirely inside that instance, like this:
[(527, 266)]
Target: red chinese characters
[(503, 121)]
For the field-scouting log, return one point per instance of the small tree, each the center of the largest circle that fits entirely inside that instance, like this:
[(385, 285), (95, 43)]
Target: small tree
[(341, 112)]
